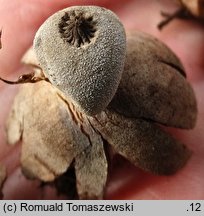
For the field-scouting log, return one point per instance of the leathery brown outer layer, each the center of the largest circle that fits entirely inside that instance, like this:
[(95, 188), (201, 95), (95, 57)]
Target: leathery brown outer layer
[(56, 137)]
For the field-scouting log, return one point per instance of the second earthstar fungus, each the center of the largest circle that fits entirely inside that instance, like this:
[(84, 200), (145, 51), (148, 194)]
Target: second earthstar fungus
[(187, 9)]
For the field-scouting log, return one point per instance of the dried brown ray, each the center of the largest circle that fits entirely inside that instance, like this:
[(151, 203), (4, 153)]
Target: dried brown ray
[(153, 85)]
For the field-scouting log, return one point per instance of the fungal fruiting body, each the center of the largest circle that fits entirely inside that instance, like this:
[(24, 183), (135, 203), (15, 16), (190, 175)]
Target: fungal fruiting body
[(193, 9), (153, 89), (196, 7), (82, 50)]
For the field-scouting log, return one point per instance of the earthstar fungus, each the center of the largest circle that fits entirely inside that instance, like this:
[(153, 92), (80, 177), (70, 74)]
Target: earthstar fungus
[(57, 135), (188, 9), (195, 7)]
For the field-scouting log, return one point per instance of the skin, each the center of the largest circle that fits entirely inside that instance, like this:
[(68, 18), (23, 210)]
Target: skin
[(185, 38)]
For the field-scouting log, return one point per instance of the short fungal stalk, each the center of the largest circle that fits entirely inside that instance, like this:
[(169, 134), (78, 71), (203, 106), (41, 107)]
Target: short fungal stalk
[(26, 78)]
